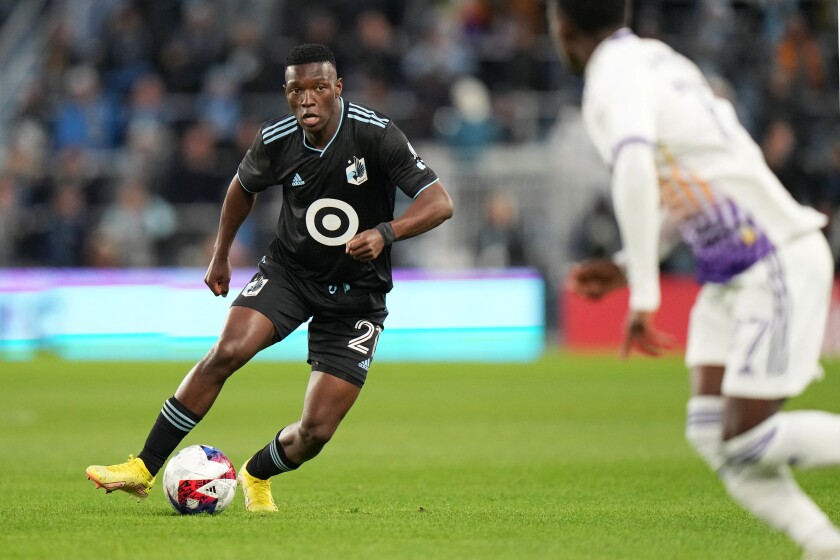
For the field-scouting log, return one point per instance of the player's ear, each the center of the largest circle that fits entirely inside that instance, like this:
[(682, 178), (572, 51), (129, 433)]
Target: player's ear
[(339, 86)]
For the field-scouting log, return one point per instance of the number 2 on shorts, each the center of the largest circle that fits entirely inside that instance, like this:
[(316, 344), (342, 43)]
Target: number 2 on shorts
[(371, 331)]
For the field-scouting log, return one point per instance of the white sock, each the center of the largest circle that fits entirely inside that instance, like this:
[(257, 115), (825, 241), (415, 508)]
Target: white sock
[(704, 428), (762, 482), (806, 439)]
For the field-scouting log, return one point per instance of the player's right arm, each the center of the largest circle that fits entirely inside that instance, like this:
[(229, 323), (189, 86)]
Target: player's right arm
[(237, 205), (596, 278), (255, 174)]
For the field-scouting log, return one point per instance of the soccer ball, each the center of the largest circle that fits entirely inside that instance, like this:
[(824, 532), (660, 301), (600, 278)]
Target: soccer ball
[(199, 479)]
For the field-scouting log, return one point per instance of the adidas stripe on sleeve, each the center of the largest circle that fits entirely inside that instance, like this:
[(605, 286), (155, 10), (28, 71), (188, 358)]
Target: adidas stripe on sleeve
[(255, 171)]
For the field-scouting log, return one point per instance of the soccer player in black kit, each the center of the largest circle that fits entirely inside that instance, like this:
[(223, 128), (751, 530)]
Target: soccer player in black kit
[(339, 165)]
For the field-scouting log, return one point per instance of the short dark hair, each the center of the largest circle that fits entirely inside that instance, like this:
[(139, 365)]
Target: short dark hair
[(592, 16), (308, 53)]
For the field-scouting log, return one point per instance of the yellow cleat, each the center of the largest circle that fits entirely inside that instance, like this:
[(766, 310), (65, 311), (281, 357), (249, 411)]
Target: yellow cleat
[(132, 477), (257, 492)]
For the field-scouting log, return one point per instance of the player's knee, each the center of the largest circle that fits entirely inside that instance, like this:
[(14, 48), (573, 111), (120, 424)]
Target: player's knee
[(226, 357), (316, 435)]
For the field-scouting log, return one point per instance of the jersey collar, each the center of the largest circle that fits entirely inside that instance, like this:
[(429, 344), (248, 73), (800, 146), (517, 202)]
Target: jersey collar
[(337, 130)]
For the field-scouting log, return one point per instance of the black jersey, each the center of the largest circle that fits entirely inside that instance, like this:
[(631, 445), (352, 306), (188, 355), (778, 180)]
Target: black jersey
[(330, 195)]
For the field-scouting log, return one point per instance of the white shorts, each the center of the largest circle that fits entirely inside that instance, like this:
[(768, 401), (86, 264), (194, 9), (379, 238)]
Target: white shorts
[(767, 324)]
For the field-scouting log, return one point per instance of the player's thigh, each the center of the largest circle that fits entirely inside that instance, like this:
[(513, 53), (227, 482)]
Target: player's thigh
[(343, 344), (780, 314), (710, 328), (246, 331), (272, 293)]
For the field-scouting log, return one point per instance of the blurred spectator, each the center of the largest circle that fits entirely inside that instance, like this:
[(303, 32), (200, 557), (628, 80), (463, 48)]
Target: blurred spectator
[(58, 56), (219, 104), (33, 105), (433, 63), (148, 146), (832, 171), (255, 63), (65, 228), (776, 14), (197, 46), (780, 151), (194, 175), (321, 25), (468, 126), (504, 43), (597, 235), (149, 133), (439, 56), (716, 22), (76, 167), (127, 48), (378, 54), (86, 21), (147, 102), (88, 119), (134, 225), (500, 243), (231, 154), (798, 56), (11, 222), (26, 157)]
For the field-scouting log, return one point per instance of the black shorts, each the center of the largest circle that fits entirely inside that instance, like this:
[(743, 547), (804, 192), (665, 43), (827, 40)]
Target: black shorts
[(345, 325)]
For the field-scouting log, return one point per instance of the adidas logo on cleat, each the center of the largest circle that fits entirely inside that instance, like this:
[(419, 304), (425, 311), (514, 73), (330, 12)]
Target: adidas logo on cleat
[(365, 364), (297, 181)]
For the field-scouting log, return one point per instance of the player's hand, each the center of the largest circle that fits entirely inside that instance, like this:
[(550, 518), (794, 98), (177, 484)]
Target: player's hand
[(593, 279), (639, 333), (365, 246), (218, 276)]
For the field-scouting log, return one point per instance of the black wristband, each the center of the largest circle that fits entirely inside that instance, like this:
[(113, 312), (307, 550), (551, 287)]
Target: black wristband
[(386, 230)]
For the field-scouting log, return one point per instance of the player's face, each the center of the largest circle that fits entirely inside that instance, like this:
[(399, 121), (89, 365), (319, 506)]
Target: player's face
[(564, 37), (312, 91)]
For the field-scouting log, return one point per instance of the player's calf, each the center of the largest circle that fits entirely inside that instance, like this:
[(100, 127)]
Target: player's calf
[(704, 428)]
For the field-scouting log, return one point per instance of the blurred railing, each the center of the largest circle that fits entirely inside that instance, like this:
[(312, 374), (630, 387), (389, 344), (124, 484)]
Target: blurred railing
[(21, 39)]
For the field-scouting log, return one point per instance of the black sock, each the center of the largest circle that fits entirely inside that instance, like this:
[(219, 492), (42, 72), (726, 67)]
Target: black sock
[(270, 460), (172, 425)]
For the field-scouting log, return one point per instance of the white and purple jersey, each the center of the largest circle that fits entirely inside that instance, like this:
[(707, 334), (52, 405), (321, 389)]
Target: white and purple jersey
[(713, 181)]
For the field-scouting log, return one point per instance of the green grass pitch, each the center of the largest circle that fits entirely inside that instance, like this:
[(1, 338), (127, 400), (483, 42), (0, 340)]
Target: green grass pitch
[(569, 457)]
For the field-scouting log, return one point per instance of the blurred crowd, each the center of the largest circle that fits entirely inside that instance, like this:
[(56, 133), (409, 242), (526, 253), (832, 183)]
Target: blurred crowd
[(124, 135)]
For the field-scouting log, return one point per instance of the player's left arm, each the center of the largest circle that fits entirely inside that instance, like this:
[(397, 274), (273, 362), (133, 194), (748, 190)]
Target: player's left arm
[(635, 191), (631, 126), (431, 204), (432, 207)]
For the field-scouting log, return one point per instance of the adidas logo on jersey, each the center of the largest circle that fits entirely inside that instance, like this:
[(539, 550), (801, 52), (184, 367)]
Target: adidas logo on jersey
[(298, 181), (365, 364)]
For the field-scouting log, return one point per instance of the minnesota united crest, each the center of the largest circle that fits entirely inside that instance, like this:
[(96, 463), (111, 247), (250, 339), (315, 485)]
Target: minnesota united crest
[(254, 286), (356, 171)]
